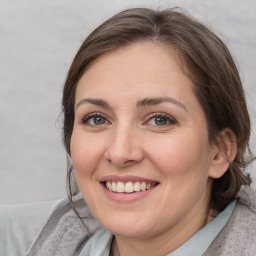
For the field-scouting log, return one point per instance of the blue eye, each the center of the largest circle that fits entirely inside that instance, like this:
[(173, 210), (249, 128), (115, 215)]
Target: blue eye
[(94, 120), (161, 120)]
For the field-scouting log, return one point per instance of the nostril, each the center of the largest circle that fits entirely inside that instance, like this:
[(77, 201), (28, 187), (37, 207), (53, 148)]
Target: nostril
[(120, 162), (128, 162)]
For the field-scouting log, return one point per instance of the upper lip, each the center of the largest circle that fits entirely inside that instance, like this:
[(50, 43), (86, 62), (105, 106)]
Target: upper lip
[(126, 179)]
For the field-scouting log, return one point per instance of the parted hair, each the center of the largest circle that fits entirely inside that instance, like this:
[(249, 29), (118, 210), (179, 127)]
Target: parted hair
[(204, 58)]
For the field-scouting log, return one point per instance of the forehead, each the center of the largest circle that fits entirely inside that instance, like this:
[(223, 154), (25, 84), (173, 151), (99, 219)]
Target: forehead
[(144, 65)]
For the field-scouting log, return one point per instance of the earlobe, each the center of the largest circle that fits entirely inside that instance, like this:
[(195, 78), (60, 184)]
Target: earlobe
[(223, 153)]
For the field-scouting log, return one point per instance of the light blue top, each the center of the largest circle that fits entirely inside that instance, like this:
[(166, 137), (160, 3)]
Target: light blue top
[(100, 243), (20, 225)]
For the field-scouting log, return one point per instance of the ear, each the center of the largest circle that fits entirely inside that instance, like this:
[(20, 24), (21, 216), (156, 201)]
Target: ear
[(223, 153)]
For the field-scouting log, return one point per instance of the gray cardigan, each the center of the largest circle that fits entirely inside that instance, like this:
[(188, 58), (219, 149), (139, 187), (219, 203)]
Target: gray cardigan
[(65, 234)]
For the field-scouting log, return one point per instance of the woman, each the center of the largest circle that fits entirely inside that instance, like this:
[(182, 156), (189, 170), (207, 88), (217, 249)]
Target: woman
[(156, 129)]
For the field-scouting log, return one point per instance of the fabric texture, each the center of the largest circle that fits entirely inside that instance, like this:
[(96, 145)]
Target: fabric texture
[(65, 234), (199, 242), (100, 243), (20, 224), (238, 237)]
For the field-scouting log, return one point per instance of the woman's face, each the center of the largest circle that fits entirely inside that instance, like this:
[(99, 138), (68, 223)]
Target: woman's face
[(140, 145)]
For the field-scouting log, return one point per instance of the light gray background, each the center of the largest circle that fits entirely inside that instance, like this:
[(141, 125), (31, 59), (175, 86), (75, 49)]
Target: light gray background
[(38, 40)]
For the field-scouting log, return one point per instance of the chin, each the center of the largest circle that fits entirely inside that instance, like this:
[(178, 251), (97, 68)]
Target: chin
[(128, 227), (128, 232)]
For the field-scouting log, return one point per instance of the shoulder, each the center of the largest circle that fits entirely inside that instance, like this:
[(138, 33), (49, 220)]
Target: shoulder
[(20, 225), (238, 237), (65, 233)]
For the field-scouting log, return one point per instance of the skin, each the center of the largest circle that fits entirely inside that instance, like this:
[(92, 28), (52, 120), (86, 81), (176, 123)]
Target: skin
[(128, 140)]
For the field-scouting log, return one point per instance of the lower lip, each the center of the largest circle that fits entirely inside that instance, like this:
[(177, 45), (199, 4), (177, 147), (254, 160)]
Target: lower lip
[(126, 197)]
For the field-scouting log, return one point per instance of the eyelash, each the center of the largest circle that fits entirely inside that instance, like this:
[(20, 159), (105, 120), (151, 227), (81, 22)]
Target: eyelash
[(85, 120), (170, 120)]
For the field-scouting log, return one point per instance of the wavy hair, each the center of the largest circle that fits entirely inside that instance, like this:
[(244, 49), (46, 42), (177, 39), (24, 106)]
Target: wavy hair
[(204, 58)]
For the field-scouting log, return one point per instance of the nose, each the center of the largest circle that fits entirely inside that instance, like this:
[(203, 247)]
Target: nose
[(124, 148)]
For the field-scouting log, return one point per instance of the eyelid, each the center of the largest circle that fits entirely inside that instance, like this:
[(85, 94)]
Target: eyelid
[(171, 119), (93, 114), (160, 114)]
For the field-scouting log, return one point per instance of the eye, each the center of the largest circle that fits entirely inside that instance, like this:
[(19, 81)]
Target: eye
[(94, 120), (161, 120)]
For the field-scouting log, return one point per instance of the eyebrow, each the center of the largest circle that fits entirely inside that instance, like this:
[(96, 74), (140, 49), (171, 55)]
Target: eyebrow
[(139, 104), (98, 102), (158, 100)]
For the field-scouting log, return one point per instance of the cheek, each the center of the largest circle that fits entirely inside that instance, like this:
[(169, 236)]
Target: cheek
[(182, 155), (85, 154), (183, 162)]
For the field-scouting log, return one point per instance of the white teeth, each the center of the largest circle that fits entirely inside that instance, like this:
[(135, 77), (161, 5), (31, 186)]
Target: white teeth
[(136, 186), (143, 186), (128, 187), (109, 185), (113, 187), (120, 187)]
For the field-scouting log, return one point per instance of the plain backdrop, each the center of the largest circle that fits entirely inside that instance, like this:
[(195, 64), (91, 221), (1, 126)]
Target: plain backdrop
[(38, 40)]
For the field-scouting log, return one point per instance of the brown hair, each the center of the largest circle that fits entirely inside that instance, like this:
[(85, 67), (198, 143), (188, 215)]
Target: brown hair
[(205, 60)]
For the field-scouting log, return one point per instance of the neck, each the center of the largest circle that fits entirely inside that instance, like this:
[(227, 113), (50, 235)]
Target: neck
[(159, 245), (114, 249)]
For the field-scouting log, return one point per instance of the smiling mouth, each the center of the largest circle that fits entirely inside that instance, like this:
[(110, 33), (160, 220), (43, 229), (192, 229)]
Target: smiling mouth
[(129, 187)]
